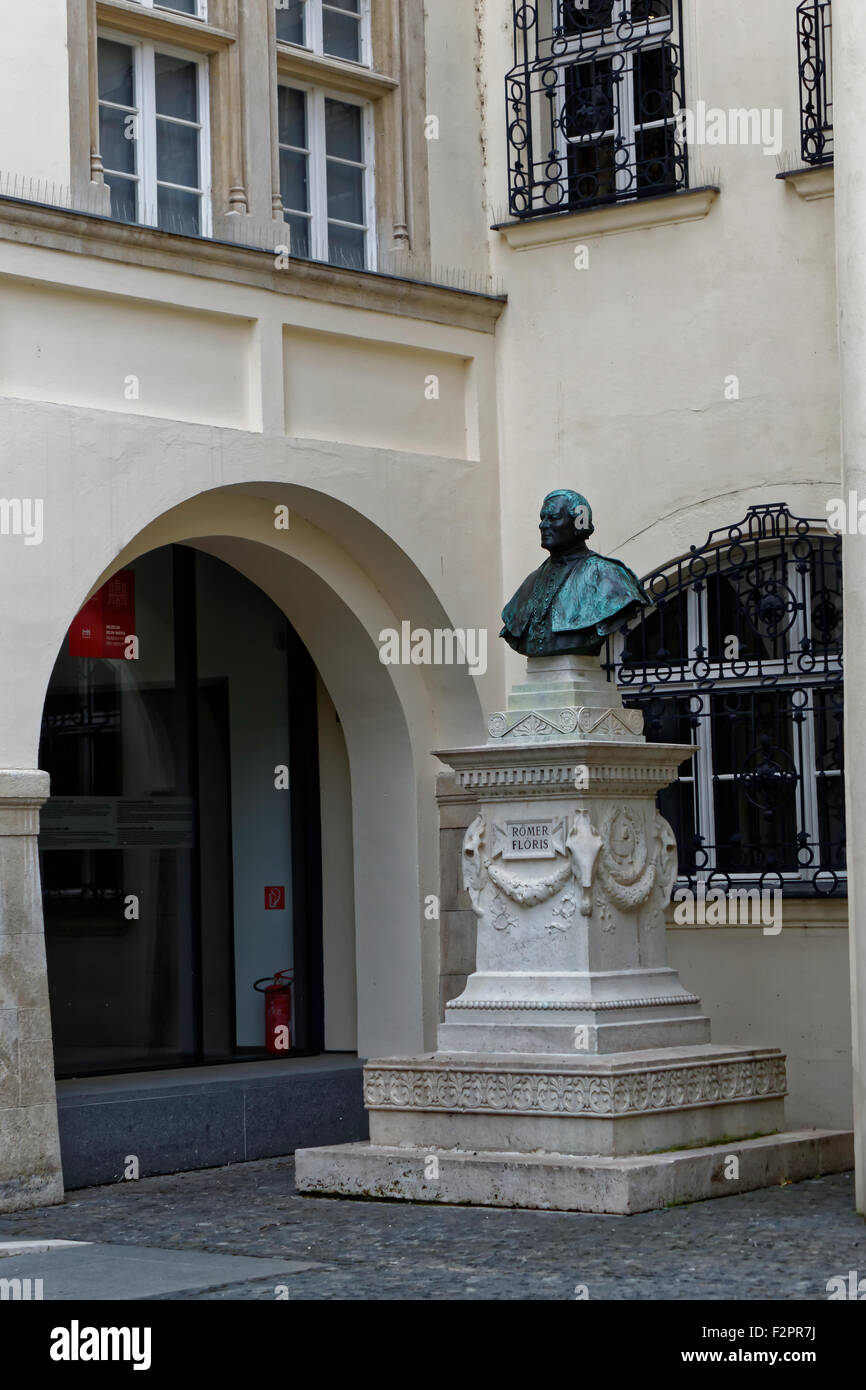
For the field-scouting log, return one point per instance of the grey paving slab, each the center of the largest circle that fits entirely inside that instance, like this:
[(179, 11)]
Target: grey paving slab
[(778, 1243), (131, 1272)]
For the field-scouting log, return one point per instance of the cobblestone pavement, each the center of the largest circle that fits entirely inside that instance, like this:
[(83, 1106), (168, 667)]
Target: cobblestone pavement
[(781, 1243)]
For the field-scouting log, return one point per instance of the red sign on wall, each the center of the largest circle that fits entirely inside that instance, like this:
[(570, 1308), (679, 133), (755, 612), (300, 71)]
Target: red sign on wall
[(275, 899), (106, 620)]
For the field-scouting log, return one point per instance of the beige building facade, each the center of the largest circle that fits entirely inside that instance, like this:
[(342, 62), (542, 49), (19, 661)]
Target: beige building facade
[(304, 308)]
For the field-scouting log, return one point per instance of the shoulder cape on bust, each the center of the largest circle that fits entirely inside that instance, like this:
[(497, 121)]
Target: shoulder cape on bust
[(593, 592)]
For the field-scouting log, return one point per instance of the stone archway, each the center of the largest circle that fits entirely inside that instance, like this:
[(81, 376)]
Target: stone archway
[(392, 717)]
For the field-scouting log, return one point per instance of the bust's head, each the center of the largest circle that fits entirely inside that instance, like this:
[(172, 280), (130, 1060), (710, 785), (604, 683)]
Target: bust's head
[(566, 518)]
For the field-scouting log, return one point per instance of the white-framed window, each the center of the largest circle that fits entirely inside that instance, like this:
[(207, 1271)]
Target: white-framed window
[(593, 103), (326, 175), (621, 79), (334, 28), (153, 132), (196, 8)]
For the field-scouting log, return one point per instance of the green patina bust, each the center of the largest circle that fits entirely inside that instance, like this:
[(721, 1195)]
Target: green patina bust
[(576, 598)]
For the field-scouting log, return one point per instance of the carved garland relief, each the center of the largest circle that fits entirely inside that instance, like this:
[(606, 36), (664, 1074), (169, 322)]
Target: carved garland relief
[(619, 861)]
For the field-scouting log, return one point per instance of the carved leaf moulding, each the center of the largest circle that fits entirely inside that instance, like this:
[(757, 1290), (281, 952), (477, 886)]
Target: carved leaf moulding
[(637, 780), (649, 1090), (659, 1000), (601, 723)]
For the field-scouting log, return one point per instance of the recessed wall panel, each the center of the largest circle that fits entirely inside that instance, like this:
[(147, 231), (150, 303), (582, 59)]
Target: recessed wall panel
[(113, 353), (383, 395)]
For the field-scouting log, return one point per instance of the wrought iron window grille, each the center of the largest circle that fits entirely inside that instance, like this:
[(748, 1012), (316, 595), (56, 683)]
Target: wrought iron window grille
[(593, 101), (815, 56), (742, 655)]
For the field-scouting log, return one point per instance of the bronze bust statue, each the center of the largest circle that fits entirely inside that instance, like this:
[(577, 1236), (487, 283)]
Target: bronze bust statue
[(576, 598)]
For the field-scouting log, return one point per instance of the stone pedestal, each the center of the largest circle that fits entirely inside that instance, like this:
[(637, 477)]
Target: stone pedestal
[(30, 1173), (568, 868), (574, 1040)]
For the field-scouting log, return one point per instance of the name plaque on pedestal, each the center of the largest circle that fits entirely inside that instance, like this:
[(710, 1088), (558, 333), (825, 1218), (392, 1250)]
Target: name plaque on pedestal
[(533, 839)]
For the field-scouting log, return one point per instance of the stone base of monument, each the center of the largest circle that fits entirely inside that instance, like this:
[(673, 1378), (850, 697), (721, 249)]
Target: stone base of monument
[(575, 1071), (565, 1182), (614, 1105), (617, 1133)]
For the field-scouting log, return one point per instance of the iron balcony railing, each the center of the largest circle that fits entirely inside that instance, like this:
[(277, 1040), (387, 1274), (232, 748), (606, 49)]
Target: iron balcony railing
[(593, 102), (815, 51)]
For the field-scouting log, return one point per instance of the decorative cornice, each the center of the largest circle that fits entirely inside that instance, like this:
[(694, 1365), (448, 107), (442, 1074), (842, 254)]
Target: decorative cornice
[(180, 29), (333, 72), (542, 780), (577, 1092), (550, 769), (82, 233), (689, 205)]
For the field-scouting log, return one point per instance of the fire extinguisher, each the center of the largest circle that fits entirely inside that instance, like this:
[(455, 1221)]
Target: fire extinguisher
[(278, 1010)]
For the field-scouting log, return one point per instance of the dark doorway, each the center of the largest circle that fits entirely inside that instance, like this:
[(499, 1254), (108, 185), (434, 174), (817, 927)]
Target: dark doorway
[(180, 849)]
